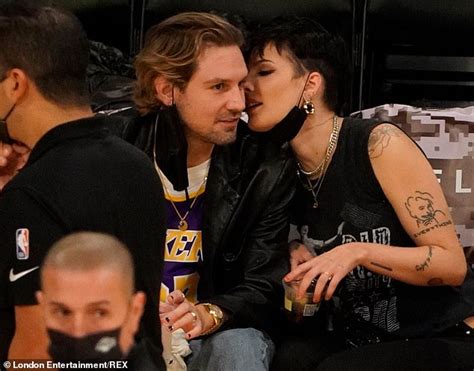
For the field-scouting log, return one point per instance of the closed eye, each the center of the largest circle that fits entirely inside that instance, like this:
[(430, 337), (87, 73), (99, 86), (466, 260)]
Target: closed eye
[(265, 72)]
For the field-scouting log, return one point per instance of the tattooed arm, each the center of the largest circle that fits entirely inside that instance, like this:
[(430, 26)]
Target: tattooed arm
[(411, 187)]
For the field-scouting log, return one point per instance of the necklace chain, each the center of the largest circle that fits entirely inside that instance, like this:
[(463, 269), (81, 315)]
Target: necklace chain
[(182, 224), (329, 151), (314, 189)]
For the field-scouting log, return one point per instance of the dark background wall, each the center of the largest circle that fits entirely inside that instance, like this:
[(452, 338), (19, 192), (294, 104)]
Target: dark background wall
[(403, 51)]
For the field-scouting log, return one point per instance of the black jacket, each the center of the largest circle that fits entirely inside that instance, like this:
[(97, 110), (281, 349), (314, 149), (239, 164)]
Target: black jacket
[(245, 226)]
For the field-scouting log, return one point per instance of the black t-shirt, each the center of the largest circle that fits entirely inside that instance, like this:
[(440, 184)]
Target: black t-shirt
[(81, 178), (353, 207)]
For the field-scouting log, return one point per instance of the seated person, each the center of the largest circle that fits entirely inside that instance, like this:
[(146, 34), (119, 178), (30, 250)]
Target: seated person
[(88, 300), (376, 231)]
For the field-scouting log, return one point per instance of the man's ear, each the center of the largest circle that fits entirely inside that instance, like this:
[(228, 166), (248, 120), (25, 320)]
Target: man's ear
[(39, 297), (16, 84), (314, 86), (164, 90), (137, 308)]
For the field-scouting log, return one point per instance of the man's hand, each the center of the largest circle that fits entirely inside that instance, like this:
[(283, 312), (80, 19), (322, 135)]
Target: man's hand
[(12, 158), (178, 312)]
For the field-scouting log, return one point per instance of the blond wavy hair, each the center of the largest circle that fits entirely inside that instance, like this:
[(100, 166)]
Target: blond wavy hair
[(172, 48)]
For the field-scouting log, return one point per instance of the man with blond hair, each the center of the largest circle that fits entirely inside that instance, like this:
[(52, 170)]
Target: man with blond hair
[(227, 196)]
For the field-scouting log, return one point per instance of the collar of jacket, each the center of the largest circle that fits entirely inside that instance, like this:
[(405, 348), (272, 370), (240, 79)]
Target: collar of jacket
[(172, 152)]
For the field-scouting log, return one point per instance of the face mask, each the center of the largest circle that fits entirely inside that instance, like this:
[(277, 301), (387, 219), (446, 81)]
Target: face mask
[(171, 147), (97, 347), (287, 128), (4, 136), (290, 125)]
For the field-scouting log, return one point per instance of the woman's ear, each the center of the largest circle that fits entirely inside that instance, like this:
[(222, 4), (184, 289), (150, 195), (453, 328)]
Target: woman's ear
[(164, 90), (314, 86)]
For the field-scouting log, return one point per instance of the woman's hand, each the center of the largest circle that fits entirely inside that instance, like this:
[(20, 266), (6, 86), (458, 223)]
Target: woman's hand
[(178, 312), (299, 254), (326, 270)]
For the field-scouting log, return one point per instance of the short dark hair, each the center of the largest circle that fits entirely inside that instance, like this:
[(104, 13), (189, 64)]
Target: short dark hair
[(311, 48), (50, 46)]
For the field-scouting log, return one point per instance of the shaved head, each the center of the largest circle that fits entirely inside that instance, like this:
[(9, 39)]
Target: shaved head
[(87, 251)]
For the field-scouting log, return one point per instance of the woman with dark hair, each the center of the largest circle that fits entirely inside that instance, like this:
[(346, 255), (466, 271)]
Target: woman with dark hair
[(377, 241)]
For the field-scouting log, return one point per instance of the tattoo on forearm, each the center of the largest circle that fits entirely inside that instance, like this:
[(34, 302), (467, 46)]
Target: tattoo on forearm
[(421, 208), (435, 282), (381, 266), (379, 139), (426, 263)]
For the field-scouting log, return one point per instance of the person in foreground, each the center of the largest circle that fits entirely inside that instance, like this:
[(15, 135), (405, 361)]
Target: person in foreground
[(227, 199), (90, 322), (377, 241), (78, 175)]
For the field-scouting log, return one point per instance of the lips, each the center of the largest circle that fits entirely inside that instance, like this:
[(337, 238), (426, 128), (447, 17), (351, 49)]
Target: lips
[(251, 104), (230, 120), (229, 123)]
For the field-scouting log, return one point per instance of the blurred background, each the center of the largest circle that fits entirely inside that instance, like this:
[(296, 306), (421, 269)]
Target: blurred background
[(402, 51)]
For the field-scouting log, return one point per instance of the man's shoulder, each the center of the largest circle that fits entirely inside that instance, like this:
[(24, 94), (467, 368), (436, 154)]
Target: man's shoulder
[(251, 148)]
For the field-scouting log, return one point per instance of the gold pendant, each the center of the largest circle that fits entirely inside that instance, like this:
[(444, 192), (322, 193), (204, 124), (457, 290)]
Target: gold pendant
[(182, 225)]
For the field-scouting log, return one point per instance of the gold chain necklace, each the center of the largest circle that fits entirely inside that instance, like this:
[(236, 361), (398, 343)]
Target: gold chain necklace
[(331, 145), (329, 152), (182, 224)]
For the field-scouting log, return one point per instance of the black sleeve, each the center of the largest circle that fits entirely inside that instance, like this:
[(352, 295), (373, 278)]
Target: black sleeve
[(27, 231), (256, 299)]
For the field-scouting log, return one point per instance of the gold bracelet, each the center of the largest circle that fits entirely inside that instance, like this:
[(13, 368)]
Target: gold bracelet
[(217, 315)]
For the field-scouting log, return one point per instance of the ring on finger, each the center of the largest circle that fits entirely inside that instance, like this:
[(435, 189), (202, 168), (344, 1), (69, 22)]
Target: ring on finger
[(328, 274), (194, 316)]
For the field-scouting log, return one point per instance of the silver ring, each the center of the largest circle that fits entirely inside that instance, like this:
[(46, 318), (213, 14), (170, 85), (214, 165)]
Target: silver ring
[(194, 316)]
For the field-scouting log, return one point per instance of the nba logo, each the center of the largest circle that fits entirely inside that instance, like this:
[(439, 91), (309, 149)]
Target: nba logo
[(22, 244)]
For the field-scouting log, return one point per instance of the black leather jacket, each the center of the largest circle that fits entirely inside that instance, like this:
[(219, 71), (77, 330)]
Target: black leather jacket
[(245, 226)]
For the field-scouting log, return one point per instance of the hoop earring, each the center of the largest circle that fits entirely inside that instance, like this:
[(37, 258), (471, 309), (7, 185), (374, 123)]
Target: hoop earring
[(308, 107)]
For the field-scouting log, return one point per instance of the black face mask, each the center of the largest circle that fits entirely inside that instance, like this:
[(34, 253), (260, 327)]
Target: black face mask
[(97, 347), (171, 147), (288, 127), (4, 136)]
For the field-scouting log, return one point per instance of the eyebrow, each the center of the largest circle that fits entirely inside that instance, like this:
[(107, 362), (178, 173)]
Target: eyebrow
[(263, 61), (217, 80), (101, 302)]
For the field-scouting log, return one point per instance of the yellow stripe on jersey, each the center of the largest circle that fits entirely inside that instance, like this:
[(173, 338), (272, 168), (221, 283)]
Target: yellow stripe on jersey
[(186, 283), (175, 198), (183, 246)]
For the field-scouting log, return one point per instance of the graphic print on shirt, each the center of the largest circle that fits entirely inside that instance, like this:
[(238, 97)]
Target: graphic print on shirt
[(22, 237), (183, 250), (367, 295)]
